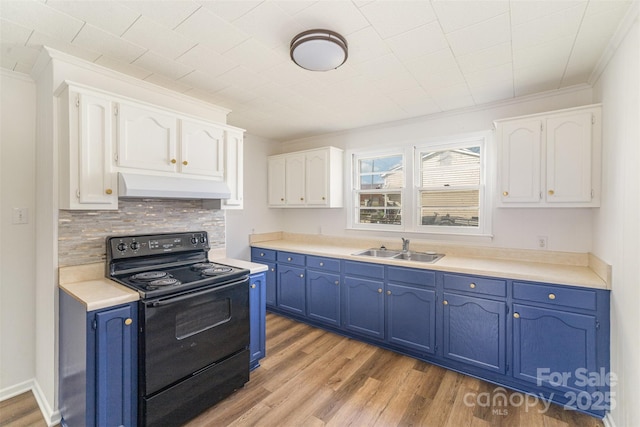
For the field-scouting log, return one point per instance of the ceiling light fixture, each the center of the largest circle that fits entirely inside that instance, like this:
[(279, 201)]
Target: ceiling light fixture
[(319, 50)]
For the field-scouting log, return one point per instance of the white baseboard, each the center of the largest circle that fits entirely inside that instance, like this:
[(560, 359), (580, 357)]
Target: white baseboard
[(50, 416), (608, 420)]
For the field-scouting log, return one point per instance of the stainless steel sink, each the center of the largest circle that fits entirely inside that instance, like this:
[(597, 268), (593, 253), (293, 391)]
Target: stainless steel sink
[(419, 256), (379, 253), (407, 256)]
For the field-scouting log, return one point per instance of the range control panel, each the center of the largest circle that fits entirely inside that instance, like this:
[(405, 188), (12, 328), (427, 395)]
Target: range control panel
[(120, 247)]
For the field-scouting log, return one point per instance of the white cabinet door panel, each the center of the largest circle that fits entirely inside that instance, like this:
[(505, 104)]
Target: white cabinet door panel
[(521, 151), (234, 168), (276, 177), (317, 180), (295, 180), (201, 149)]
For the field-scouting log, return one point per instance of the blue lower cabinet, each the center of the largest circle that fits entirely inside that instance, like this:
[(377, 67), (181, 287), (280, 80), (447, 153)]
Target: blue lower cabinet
[(475, 331), (270, 285), (257, 319), (291, 289), (323, 297), (98, 364), (554, 348), (364, 306), (411, 317)]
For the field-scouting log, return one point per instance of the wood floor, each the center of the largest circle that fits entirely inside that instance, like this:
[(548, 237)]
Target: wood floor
[(315, 378)]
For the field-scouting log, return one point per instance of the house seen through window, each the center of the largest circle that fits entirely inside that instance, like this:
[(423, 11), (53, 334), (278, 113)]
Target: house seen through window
[(378, 190)]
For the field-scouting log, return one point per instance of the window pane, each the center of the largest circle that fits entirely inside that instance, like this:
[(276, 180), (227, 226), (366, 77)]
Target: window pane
[(380, 216), (450, 168), (380, 200), (381, 172), (447, 208)]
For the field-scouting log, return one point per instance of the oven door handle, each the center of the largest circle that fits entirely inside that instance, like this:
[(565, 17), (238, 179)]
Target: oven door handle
[(171, 300)]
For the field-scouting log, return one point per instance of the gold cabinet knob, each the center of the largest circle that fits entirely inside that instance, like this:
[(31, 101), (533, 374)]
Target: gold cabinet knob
[(551, 192), (445, 302), (282, 199), (388, 292), (174, 161), (108, 191), (505, 193), (253, 286), (379, 290), (185, 163), (301, 198), (516, 315), (324, 198), (472, 285), (128, 321), (552, 296)]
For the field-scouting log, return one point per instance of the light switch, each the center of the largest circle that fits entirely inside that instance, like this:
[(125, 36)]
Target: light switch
[(20, 216)]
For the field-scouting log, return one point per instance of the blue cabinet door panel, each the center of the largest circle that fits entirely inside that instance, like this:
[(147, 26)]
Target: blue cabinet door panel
[(475, 331), (411, 317), (323, 297), (364, 306), (270, 285), (257, 316), (115, 402), (551, 343), (291, 289)]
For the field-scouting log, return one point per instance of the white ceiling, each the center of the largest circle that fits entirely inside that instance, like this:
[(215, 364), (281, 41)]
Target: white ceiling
[(406, 58)]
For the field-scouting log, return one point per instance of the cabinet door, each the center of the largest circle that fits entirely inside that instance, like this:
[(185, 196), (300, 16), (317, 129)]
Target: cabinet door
[(201, 149), (520, 151), (569, 158), (323, 297), (551, 344), (475, 331), (316, 177), (257, 318), (116, 396), (295, 180), (291, 289), (96, 183), (411, 317), (234, 168), (270, 283), (364, 306), (276, 181), (146, 139)]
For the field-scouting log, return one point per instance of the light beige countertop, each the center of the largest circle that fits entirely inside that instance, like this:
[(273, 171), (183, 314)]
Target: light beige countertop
[(549, 267), (87, 283)]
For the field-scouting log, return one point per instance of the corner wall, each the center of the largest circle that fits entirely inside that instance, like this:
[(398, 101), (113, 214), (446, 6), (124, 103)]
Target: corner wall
[(617, 224)]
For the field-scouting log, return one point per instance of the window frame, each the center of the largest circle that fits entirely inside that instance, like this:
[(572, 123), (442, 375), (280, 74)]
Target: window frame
[(410, 207)]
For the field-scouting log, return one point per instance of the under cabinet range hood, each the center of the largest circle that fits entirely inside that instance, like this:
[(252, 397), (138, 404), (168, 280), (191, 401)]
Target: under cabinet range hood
[(168, 187)]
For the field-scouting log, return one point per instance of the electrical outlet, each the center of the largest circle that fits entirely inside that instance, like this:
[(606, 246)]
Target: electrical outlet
[(20, 216), (542, 242)]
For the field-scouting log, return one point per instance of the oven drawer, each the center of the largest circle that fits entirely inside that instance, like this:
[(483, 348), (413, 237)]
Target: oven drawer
[(177, 404)]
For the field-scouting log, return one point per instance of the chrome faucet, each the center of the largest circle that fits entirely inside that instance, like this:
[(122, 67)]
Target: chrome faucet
[(405, 245)]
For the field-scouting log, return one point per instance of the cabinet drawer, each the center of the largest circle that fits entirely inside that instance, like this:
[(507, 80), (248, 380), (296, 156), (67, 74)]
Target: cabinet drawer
[(291, 258), (555, 295), (320, 263), (364, 269), (476, 285), (265, 254), (411, 275)]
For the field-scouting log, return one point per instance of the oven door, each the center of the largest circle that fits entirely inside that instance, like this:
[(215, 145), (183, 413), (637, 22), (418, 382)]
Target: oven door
[(184, 334)]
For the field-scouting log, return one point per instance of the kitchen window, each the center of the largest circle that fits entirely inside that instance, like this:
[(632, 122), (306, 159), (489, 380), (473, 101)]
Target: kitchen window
[(439, 187), (378, 184)]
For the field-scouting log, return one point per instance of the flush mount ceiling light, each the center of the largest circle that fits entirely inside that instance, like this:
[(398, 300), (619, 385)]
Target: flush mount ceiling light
[(319, 50)]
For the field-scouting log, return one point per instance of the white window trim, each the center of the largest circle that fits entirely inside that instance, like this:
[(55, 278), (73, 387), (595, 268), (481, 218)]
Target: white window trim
[(411, 222)]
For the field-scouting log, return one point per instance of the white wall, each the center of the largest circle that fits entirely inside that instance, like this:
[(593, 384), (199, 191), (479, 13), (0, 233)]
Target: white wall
[(617, 224), (17, 241), (566, 229), (255, 217)]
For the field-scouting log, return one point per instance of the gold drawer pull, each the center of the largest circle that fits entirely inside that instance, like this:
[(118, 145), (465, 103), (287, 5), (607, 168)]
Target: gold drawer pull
[(108, 191), (128, 321), (301, 198), (552, 296), (505, 193), (174, 161), (472, 286), (445, 302), (551, 192), (185, 163), (516, 315)]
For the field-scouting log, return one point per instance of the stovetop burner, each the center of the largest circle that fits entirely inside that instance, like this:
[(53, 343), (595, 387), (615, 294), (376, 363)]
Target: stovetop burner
[(166, 264)]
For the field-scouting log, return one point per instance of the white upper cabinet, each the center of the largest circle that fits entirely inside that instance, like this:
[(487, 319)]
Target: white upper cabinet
[(86, 134), (147, 139), (551, 159), (308, 179), (201, 149)]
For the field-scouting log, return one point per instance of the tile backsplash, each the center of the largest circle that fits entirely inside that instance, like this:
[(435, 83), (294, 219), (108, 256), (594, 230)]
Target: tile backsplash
[(82, 234)]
